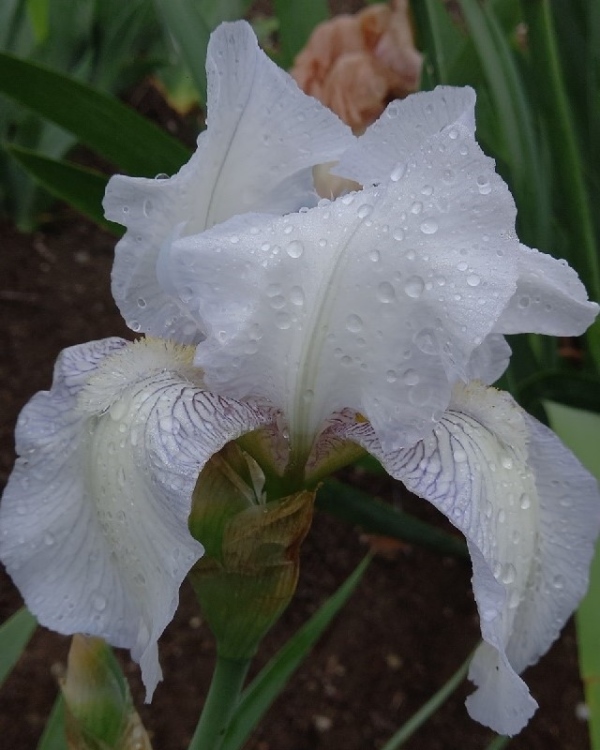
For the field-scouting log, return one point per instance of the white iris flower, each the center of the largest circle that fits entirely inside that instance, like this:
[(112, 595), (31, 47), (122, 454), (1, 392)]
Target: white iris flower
[(376, 319)]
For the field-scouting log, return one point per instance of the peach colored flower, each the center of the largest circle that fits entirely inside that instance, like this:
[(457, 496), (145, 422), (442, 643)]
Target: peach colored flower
[(356, 64)]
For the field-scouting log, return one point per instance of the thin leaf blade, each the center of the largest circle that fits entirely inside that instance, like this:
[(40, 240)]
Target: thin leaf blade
[(112, 129), (14, 637), (261, 693)]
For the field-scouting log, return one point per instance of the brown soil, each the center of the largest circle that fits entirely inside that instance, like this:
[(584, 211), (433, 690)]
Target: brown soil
[(407, 628)]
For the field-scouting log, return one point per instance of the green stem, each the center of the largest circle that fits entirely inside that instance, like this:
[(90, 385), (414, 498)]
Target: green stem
[(221, 702), (432, 705)]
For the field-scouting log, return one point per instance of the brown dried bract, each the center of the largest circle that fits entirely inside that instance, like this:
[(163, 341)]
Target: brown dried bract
[(356, 64)]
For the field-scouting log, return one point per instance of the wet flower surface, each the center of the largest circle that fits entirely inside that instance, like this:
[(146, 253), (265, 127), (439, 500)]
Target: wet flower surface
[(376, 319)]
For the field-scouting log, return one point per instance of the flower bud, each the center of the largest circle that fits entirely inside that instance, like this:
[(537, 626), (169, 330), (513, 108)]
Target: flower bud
[(250, 570)]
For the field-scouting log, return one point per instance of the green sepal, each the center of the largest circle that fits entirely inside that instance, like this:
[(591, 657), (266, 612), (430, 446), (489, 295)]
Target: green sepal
[(250, 570)]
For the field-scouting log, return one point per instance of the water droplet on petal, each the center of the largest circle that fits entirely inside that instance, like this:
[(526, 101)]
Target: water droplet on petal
[(459, 455), (506, 462), (414, 287), (398, 172), (354, 323), (295, 249), (416, 207), (410, 377), (99, 602), (398, 234), (473, 279), (386, 292), (525, 501), (283, 321), (297, 296), (147, 207), (364, 211), (429, 227), (524, 301)]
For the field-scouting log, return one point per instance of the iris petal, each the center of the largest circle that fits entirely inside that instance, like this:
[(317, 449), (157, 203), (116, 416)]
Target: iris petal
[(262, 139), (94, 517), (530, 513), (374, 302)]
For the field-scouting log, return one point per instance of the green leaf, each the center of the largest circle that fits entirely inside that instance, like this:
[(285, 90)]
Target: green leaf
[(357, 507), (573, 201), (261, 693), (440, 39), (580, 431), (112, 129), (38, 13), (297, 19), (54, 737), (190, 32), (14, 636), (81, 187)]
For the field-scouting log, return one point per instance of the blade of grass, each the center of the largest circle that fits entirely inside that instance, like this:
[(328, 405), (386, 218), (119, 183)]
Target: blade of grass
[(190, 32), (428, 709), (54, 737), (260, 694), (14, 637), (81, 187), (357, 507), (514, 122), (112, 129), (563, 137)]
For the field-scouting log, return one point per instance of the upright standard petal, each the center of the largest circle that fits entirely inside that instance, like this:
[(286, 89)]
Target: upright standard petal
[(263, 137), (93, 522), (530, 513), (374, 302), (403, 129)]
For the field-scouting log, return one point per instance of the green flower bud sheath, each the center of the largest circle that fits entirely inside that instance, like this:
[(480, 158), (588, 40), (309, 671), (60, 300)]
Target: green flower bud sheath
[(248, 574)]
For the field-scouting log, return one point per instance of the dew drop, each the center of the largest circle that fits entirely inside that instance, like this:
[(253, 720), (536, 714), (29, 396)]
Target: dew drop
[(386, 292), (429, 227), (459, 455), (483, 185), (398, 172), (297, 296), (117, 410), (141, 302), (374, 256), (398, 234), (364, 211), (453, 134), (558, 582), (416, 207), (147, 207), (277, 302), (391, 376), (508, 574), (427, 190), (99, 602), (346, 360), (410, 377), (283, 321), (414, 287), (426, 341), (524, 302), (525, 501), (473, 280), (506, 462), (295, 249), (392, 111), (354, 323), (162, 176)]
